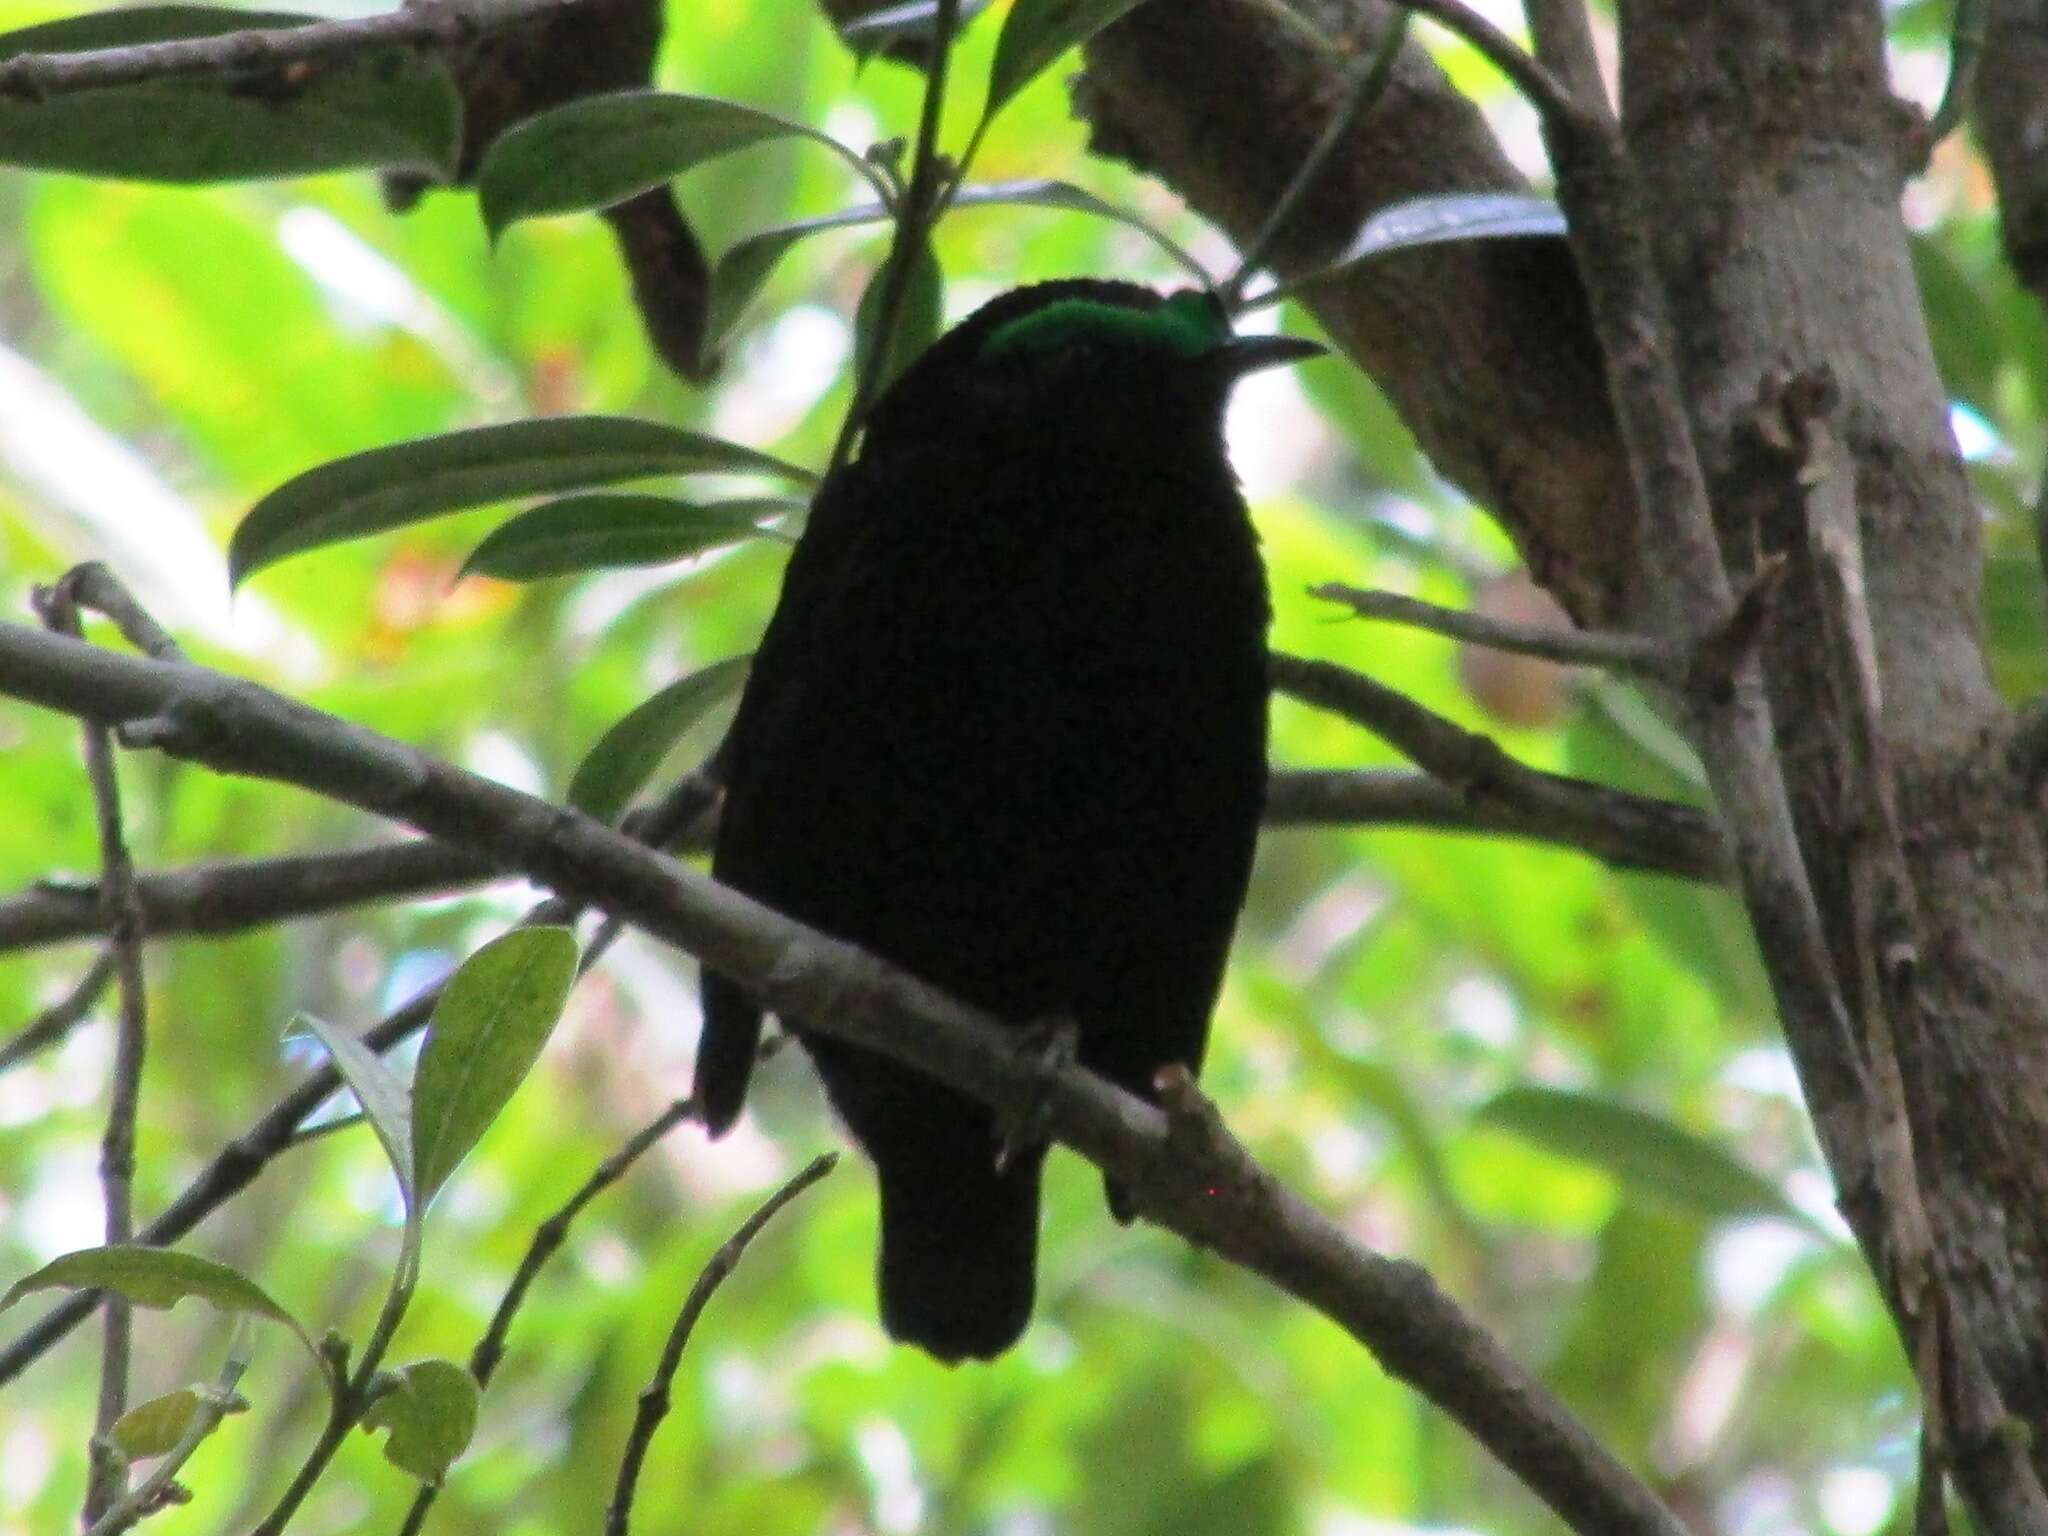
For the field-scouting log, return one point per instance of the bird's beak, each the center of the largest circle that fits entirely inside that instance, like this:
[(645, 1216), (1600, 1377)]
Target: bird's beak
[(1248, 354)]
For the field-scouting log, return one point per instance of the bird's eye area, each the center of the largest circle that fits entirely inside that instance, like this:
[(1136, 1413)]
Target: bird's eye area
[(1186, 325)]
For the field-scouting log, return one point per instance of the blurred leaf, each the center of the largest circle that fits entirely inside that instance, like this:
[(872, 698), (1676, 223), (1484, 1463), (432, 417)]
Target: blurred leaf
[(390, 107), (156, 1277), (1432, 220), (917, 320), (152, 1428), (1648, 1153), (744, 268), (383, 1098), (1046, 193), (601, 530), (431, 1413), (390, 487), (913, 21), (630, 751), (604, 149), (1034, 35), (493, 1017)]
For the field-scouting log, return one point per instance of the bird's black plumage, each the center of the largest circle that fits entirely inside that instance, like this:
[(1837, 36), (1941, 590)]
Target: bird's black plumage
[(1007, 730)]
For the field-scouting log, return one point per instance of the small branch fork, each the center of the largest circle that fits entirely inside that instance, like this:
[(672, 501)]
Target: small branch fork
[(121, 915), (1856, 1112), (268, 51), (1392, 1308)]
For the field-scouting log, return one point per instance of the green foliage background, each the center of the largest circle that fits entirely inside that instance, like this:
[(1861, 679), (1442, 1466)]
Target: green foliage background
[(172, 354)]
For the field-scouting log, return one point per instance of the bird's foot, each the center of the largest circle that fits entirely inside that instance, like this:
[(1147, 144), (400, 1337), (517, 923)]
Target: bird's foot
[(1052, 1044)]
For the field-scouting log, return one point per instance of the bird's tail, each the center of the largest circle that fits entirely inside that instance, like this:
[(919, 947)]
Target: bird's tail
[(958, 1256)]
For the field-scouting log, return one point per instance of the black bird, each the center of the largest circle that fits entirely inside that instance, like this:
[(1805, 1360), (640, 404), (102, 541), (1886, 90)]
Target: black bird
[(1007, 729)]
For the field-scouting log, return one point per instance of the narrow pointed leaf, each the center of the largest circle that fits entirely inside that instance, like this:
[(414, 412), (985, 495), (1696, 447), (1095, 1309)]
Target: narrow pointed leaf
[(603, 530), (156, 1277), (1649, 1154), (382, 1095), (604, 149), (1432, 220), (431, 1413), (627, 755), (892, 27), (1066, 196), (1035, 34), (494, 1015), (745, 267), (917, 320), (406, 483), (389, 107)]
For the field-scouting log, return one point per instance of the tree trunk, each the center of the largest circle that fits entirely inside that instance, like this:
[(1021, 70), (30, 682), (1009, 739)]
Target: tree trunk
[(1770, 154)]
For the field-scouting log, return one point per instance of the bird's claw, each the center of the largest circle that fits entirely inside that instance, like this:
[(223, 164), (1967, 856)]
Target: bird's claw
[(1052, 1044)]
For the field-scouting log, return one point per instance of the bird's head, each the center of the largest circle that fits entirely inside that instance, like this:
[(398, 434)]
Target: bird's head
[(1080, 351)]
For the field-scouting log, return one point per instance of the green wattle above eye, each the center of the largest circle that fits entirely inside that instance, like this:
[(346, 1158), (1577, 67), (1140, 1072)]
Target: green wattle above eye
[(1187, 325)]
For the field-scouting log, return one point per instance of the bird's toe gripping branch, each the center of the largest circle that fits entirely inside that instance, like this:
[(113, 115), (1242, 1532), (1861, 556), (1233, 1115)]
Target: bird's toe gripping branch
[(1049, 1046)]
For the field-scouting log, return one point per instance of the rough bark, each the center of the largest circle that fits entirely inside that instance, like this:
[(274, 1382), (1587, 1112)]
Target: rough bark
[(1770, 153)]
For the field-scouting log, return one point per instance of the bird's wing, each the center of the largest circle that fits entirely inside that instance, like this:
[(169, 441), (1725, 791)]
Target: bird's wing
[(745, 852)]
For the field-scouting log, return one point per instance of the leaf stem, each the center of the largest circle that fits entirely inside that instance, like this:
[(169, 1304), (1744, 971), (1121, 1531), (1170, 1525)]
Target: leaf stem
[(923, 201)]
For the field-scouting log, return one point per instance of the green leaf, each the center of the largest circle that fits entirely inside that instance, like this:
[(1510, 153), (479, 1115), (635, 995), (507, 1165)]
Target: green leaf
[(381, 1094), (1035, 33), (1064, 195), (602, 150), (388, 107), (917, 319), (431, 1413), (627, 754), (1431, 220), (598, 531), (1646, 1152), (494, 1015), (156, 1277), (406, 483), (154, 1428), (742, 271), (745, 267)]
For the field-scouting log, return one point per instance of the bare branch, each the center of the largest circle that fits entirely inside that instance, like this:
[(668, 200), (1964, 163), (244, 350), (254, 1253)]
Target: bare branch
[(1638, 655), (120, 914), (1631, 831), (654, 1400), (34, 76), (794, 971), (57, 1021)]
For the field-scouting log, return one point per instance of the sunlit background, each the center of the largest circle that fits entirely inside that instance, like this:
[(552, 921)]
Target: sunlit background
[(1396, 998)]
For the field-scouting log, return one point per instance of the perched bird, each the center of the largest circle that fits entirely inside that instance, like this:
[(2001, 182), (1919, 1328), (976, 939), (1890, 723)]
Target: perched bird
[(1007, 730)]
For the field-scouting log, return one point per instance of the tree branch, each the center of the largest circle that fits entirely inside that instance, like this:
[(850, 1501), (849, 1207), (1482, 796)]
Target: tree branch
[(34, 76), (1637, 655), (231, 896), (1391, 1307), (1611, 823)]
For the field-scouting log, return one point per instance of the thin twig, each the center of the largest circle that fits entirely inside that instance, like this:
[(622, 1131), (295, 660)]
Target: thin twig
[(56, 1022), (34, 76), (1370, 83), (1546, 90), (923, 200), (655, 1399), (1637, 655), (1966, 48), (547, 1240), (122, 918), (1474, 766)]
